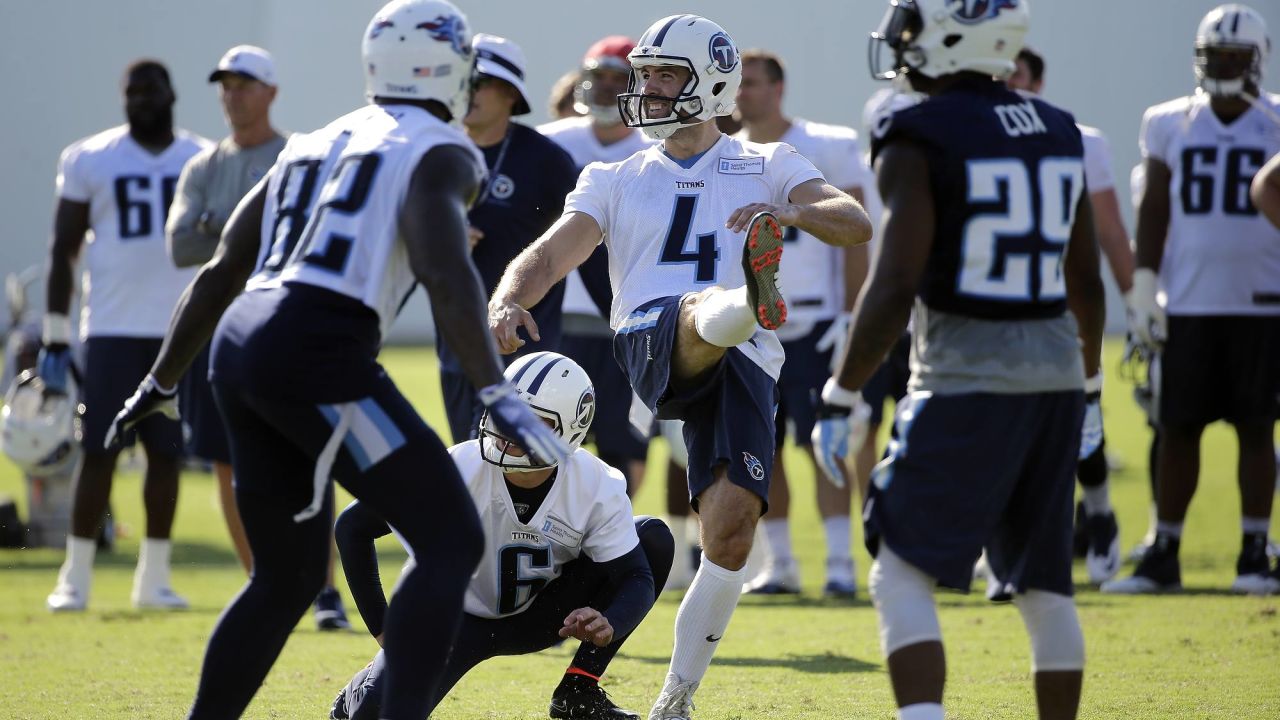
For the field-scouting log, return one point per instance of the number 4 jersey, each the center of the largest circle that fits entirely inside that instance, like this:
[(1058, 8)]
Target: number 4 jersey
[(1006, 173), (1221, 256), (130, 284), (333, 205), (664, 223)]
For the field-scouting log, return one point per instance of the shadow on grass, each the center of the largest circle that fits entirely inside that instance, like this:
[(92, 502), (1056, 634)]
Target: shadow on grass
[(821, 664), (184, 553)]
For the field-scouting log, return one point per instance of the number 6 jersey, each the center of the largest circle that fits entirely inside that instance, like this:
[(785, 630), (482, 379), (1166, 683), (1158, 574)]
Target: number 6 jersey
[(333, 205), (130, 284), (1221, 256)]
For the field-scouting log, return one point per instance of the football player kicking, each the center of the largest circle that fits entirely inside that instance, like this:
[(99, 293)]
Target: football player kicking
[(693, 227), (347, 221), (563, 555), (988, 228), (1202, 244)]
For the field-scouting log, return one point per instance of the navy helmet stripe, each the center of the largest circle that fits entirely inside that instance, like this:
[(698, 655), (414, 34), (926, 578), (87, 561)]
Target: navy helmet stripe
[(662, 34), (520, 373), (542, 375)]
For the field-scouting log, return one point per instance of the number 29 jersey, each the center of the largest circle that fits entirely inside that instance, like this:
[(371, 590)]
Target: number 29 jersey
[(664, 224), (333, 204), (1221, 256)]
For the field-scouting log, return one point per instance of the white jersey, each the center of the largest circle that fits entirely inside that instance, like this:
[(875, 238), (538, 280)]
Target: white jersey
[(1097, 159), (586, 512), (576, 136), (334, 199), (1221, 256), (811, 275), (664, 223), (130, 286)]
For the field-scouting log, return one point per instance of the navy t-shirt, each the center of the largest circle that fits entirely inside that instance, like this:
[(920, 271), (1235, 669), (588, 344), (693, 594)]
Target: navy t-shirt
[(521, 197)]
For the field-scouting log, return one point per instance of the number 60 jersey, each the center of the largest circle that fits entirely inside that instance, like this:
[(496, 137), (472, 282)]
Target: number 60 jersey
[(334, 199), (1222, 257)]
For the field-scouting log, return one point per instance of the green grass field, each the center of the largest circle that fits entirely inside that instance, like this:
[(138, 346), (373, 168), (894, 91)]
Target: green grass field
[(1201, 654)]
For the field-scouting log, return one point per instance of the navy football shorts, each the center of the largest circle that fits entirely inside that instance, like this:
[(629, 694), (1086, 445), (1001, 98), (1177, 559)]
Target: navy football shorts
[(1216, 367), (981, 470), (728, 418), (113, 368), (800, 384), (206, 435)]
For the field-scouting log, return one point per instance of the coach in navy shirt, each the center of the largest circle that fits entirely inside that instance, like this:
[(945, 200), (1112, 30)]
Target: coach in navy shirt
[(529, 177)]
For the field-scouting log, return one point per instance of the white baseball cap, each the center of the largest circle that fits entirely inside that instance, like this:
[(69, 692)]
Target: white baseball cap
[(249, 61), (499, 57)]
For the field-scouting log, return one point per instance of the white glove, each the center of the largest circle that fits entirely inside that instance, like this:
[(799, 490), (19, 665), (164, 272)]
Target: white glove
[(834, 339), (1147, 320), (841, 429), (1091, 430)]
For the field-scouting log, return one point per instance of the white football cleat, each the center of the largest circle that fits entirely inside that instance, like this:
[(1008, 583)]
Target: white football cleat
[(675, 702), (67, 598), (1136, 585), (777, 578), (158, 598), (1256, 584)]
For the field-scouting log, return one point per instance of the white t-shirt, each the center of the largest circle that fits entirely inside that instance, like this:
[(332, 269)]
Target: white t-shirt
[(586, 512), (576, 136), (333, 205), (1097, 159), (1222, 257), (812, 273), (664, 224), (130, 286)]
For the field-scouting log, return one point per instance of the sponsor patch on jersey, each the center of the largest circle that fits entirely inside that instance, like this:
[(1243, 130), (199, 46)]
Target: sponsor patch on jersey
[(561, 532), (741, 166)]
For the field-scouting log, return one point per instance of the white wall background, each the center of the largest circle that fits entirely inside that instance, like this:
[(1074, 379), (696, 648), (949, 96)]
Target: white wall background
[(62, 61)]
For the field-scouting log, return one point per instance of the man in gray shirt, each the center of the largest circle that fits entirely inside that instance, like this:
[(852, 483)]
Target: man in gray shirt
[(211, 186)]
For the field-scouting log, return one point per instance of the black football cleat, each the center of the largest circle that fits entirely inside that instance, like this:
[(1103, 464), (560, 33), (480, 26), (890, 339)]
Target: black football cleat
[(576, 699), (329, 612)]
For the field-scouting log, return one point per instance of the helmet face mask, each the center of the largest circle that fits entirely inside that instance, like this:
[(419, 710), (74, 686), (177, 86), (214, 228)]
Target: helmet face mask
[(1231, 48), (696, 45), (559, 391), (898, 29), (603, 76)]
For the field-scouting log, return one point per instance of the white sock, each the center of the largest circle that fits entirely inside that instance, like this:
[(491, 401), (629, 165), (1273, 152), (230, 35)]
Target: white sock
[(778, 535), (920, 711), (153, 564), (725, 318), (77, 568), (1255, 525), (703, 616), (1097, 500), (839, 532), (1172, 529)]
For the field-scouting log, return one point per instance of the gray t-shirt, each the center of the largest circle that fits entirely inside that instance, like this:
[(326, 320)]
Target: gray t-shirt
[(953, 354), (211, 185)]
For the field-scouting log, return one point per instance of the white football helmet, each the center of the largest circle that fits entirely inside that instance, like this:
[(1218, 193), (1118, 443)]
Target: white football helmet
[(1241, 33), (940, 37), (419, 50), (558, 390), (37, 432), (715, 68)]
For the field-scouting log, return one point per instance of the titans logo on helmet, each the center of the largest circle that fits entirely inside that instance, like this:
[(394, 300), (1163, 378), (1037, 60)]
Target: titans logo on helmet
[(378, 27), (722, 51), (447, 28), (586, 410), (971, 12)]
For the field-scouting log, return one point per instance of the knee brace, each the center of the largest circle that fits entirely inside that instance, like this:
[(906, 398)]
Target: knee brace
[(903, 595), (1057, 642)]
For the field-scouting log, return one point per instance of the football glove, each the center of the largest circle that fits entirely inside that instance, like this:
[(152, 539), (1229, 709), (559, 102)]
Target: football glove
[(148, 399), (514, 419), (834, 340), (54, 362), (841, 429), (1091, 430), (1147, 320)]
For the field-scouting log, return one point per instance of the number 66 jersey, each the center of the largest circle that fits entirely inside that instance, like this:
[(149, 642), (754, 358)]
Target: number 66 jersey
[(1221, 257)]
